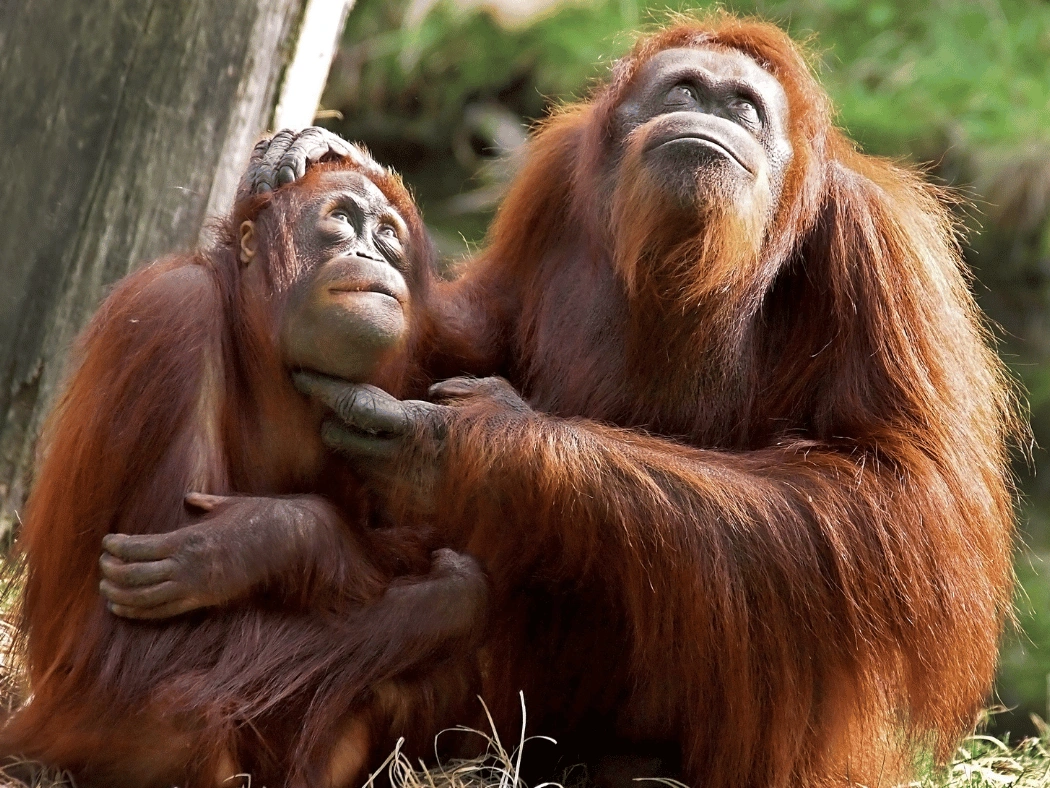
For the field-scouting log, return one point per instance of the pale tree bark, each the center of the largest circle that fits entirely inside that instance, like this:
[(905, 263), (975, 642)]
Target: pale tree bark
[(124, 124)]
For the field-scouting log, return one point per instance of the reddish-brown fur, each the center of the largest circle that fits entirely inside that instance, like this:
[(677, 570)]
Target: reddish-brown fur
[(762, 509), (180, 388)]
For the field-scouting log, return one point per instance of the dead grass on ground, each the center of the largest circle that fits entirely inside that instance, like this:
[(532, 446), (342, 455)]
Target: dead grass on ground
[(980, 762)]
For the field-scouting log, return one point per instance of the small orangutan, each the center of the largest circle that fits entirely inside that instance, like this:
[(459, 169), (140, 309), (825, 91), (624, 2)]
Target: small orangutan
[(751, 511), (318, 635)]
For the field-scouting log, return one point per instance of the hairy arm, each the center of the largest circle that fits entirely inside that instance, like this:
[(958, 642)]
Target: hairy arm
[(139, 426), (824, 563), (298, 549), (135, 427)]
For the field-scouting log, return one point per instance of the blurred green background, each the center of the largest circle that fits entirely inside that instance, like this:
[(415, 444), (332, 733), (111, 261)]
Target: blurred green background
[(446, 90)]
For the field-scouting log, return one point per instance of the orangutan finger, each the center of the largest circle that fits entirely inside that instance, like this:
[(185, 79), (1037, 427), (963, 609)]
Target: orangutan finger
[(356, 444), (266, 166), (140, 547), (141, 573), (148, 596), (205, 501), (455, 388), (309, 143), (168, 610), (361, 407)]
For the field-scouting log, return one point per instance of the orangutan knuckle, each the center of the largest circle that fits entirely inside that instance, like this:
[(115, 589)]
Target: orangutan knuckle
[(345, 403), (192, 551), (416, 411)]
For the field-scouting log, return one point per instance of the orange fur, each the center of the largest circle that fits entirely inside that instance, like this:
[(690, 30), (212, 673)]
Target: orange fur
[(763, 510), (180, 387)]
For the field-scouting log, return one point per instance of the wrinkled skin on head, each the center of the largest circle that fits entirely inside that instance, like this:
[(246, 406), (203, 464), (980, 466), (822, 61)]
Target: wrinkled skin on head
[(349, 306), (710, 125)]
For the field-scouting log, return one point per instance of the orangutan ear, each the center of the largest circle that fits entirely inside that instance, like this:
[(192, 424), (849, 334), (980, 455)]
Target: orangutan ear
[(247, 242)]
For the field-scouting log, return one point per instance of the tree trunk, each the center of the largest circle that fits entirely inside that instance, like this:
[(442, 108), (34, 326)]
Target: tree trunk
[(125, 123)]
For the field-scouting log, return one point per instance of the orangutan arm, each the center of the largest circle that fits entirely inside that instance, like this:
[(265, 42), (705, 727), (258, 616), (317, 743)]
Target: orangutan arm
[(803, 558), (295, 547)]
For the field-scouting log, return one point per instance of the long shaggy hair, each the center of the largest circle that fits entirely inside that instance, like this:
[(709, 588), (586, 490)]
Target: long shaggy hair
[(778, 485)]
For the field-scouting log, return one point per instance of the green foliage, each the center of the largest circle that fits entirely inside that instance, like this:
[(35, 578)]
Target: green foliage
[(1025, 656), (910, 78)]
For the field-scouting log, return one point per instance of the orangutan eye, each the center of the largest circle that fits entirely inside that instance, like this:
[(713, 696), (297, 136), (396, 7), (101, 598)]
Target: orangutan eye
[(745, 110), (387, 231), (681, 95), (340, 215)]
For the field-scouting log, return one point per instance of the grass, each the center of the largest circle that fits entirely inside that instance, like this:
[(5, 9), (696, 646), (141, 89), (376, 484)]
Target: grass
[(984, 761), (980, 762)]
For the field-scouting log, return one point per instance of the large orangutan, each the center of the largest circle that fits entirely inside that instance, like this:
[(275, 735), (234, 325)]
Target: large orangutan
[(752, 508), (184, 384)]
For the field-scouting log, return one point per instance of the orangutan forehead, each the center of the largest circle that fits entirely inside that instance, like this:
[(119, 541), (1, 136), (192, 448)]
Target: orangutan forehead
[(352, 181), (713, 63)]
